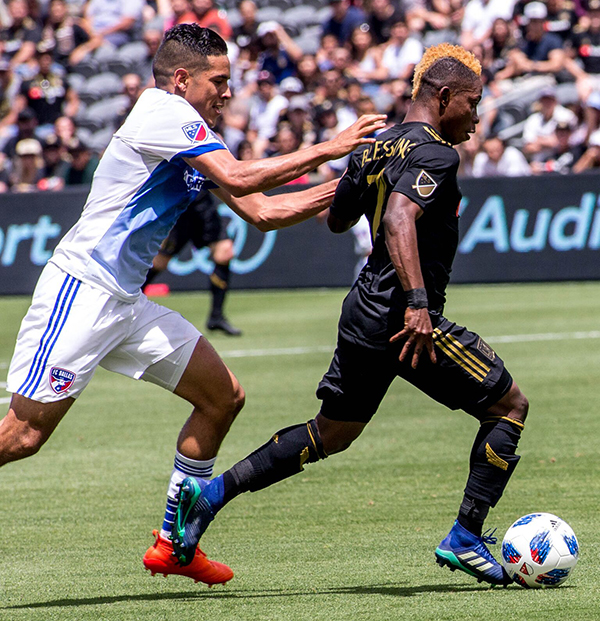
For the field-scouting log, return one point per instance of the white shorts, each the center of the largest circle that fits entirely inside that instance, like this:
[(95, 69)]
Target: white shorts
[(72, 327)]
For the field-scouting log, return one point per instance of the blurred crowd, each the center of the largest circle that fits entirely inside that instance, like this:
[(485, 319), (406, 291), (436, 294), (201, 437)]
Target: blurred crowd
[(70, 71)]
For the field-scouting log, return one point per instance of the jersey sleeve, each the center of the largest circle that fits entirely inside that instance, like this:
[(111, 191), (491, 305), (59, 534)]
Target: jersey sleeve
[(179, 132), (346, 204), (429, 168)]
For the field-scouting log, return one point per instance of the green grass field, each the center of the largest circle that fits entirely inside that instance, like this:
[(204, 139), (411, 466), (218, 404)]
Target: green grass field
[(351, 538)]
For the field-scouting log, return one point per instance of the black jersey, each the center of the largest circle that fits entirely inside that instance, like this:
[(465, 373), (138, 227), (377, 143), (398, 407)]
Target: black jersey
[(413, 159)]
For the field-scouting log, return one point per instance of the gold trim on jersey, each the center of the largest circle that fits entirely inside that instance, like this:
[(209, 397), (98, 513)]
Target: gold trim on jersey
[(454, 349), (379, 180), (435, 135)]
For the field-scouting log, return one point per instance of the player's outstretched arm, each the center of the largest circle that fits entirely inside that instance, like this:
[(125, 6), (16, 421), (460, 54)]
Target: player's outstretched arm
[(275, 212), (399, 221), (248, 177)]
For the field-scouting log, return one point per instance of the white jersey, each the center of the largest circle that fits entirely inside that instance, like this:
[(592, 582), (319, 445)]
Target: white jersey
[(140, 188)]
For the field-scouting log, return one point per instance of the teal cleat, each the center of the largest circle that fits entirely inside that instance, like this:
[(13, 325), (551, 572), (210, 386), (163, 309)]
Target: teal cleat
[(463, 550), (197, 505)]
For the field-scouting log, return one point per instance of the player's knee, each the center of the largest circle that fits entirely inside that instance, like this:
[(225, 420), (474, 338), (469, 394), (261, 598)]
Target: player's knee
[(26, 443), (337, 436), (519, 406)]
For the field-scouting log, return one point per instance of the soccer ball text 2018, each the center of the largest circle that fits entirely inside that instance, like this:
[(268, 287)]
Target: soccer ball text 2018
[(539, 550)]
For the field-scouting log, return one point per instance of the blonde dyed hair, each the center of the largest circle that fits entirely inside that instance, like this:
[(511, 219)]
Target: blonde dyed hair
[(439, 52)]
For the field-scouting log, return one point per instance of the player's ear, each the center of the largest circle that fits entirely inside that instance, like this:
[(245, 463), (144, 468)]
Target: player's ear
[(444, 95), (181, 77)]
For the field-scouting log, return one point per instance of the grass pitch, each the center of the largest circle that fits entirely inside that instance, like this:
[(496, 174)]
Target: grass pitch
[(350, 538)]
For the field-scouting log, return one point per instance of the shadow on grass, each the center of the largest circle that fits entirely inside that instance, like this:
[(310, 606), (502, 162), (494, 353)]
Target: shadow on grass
[(391, 590)]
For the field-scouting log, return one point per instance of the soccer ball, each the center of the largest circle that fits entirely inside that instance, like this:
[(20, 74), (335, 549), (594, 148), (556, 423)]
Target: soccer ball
[(539, 550)]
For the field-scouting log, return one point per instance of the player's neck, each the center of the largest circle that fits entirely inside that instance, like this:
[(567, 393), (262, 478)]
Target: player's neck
[(420, 113)]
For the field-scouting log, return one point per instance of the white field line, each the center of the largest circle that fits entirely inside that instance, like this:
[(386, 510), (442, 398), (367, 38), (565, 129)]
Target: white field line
[(509, 338)]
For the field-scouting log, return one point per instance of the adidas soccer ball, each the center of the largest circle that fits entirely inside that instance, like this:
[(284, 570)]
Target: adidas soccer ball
[(539, 550)]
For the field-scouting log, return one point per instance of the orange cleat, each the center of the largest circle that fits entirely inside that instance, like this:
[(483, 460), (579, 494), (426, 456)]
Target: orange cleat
[(159, 559)]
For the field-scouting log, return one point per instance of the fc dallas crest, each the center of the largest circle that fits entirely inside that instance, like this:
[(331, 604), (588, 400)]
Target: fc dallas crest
[(196, 132), (61, 380)]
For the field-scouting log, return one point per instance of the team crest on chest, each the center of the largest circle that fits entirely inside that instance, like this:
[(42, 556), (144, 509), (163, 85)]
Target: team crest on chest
[(61, 380), (424, 185), (196, 132)]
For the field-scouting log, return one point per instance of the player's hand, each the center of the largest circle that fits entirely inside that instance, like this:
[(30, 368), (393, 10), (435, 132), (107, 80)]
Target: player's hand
[(352, 137), (418, 329)]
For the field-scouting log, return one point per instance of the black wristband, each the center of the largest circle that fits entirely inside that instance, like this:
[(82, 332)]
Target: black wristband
[(416, 298)]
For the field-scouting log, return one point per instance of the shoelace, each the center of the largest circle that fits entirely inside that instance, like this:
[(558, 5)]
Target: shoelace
[(488, 537)]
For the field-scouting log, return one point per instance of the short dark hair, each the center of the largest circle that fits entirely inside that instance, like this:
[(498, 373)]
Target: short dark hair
[(185, 45)]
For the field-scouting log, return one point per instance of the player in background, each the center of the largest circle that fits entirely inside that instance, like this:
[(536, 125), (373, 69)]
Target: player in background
[(88, 309), (392, 321), (201, 225)]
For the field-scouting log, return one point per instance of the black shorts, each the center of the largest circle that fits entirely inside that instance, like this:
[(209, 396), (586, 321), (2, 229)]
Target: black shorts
[(468, 375), (201, 226)]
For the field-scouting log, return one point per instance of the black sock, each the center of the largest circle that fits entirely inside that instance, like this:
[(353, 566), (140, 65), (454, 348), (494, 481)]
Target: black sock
[(281, 457), (472, 514), (219, 284), (492, 463)]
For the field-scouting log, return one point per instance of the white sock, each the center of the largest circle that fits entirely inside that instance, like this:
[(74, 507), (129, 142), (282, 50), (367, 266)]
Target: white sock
[(183, 467)]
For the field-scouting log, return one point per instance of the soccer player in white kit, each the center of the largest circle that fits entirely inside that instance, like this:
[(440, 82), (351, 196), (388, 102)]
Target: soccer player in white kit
[(88, 310)]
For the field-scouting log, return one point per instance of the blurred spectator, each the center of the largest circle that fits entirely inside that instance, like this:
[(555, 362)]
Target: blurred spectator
[(468, 152), (287, 141), (497, 48), (428, 15), (48, 93), (26, 126), (54, 165), (245, 35), (209, 16), (585, 66), (562, 18), (365, 58), (308, 72), (591, 157), (69, 42), (401, 98), (27, 170), (540, 52), (83, 164), (4, 174), (563, 155), (265, 110), (64, 128), (244, 151), (402, 53), (324, 56), (298, 118), (279, 53), (344, 19), (382, 14), (181, 13), (20, 38), (132, 87), (479, 18), (291, 86), (152, 38), (115, 23), (10, 105), (499, 160), (539, 135)]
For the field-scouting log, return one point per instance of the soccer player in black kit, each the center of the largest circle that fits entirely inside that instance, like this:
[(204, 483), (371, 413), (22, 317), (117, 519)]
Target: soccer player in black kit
[(202, 226), (392, 322)]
